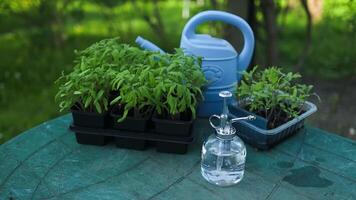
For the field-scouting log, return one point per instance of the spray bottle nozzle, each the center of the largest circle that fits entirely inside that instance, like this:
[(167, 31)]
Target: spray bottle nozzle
[(225, 127), (249, 117)]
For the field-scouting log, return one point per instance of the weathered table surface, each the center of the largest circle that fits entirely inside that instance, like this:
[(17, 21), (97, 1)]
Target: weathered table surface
[(47, 163)]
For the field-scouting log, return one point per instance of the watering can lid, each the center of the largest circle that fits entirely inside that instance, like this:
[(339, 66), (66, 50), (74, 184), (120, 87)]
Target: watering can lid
[(208, 47)]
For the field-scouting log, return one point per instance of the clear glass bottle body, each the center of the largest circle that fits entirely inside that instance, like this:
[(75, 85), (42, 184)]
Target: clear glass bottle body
[(223, 160)]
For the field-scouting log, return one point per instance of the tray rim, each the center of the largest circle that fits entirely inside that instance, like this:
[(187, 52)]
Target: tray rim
[(311, 108)]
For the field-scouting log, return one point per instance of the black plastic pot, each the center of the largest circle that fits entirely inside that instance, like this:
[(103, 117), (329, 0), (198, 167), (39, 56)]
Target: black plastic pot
[(83, 138), (130, 123), (89, 119), (172, 127)]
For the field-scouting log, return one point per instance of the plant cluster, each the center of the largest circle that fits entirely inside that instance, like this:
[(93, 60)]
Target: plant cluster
[(167, 83), (110, 73), (87, 87), (273, 94)]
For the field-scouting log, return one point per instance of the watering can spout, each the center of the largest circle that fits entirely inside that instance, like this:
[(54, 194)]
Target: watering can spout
[(145, 44)]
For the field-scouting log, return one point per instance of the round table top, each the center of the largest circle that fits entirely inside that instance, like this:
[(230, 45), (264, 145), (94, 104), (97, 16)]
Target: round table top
[(46, 162)]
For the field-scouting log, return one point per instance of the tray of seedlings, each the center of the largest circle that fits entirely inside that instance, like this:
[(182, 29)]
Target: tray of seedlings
[(277, 100), (133, 97)]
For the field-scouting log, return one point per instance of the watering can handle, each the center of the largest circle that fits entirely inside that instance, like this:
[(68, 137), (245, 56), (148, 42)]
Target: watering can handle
[(238, 22)]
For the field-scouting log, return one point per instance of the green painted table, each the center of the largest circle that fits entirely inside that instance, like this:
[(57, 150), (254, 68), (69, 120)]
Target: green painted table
[(47, 163)]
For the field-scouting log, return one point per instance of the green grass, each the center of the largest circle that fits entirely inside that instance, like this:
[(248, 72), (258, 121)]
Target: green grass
[(27, 110)]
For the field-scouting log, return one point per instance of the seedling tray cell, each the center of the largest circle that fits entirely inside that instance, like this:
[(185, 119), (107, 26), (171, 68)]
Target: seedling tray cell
[(130, 123), (87, 119), (169, 127)]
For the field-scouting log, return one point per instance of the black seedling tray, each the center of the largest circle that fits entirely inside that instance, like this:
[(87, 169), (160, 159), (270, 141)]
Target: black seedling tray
[(133, 139)]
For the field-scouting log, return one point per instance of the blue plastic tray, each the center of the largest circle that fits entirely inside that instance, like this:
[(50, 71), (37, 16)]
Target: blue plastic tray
[(255, 133)]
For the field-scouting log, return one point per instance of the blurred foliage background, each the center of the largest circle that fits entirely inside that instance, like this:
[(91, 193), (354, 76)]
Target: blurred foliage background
[(38, 38)]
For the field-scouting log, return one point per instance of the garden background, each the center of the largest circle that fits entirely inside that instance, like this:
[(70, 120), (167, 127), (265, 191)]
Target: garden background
[(38, 37)]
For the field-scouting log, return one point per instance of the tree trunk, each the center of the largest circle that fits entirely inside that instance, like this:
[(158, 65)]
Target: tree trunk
[(231, 33), (159, 25), (252, 21), (270, 22), (214, 4), (186, 9), (155, 23), (307, 43)]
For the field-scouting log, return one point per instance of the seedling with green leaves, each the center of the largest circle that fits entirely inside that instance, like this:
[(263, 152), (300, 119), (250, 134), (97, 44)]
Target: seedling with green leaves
[(273, 94), (168, 83), (133, 95), (85, 90), (178, 89), (87, 87)]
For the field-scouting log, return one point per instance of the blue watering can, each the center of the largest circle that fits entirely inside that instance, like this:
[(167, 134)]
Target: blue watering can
[(221, 64)]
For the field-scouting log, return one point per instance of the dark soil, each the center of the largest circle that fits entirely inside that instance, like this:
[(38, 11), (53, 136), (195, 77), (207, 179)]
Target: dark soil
[(275, 120)]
